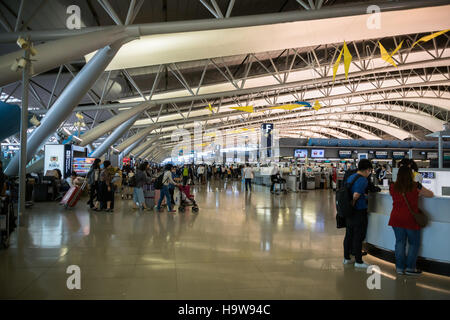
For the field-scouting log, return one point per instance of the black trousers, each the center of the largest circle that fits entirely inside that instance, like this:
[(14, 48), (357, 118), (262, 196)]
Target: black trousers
[(355, 233), (185, 180), (93, 194)]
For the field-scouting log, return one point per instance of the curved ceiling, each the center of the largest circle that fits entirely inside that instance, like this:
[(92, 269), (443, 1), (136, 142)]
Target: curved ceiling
[(179, 74)]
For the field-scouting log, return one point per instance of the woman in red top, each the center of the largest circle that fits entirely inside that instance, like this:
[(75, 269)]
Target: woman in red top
[(402, 220)]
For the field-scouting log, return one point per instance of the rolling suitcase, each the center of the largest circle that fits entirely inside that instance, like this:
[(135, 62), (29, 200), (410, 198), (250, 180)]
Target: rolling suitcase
[(72, 196), (149, 195)]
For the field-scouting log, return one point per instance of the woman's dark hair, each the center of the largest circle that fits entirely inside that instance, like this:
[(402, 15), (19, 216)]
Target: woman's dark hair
[(404, 182), (106, 163), (414, 166), (96, 163), (404, 162), (143, 166)]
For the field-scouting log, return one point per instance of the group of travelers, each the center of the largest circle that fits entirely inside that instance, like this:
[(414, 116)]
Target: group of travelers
[(405, 192), (101, 179)]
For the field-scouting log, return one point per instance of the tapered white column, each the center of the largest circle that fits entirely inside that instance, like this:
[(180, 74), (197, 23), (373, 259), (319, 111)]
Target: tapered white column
[(114, 136), (114, 122), (138, 136), (66, 102)]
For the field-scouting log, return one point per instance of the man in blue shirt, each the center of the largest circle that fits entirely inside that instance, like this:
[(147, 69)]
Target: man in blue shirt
[(356, 228)]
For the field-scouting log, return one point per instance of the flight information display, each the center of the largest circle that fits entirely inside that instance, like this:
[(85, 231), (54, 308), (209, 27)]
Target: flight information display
[(317, 153), (300, 153)]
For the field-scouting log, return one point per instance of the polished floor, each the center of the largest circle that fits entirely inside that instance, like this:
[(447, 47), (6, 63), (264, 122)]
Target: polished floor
[(240, 246)]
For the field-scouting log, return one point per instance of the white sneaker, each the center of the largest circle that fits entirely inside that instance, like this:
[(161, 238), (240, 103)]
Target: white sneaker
[(349, 261), (361, 265)]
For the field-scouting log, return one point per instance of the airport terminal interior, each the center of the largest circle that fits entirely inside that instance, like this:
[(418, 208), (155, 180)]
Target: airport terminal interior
[(224, 150)]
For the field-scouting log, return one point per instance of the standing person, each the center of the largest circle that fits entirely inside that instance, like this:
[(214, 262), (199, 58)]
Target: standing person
[(166, 180), (93, 178), (2, 180), (405, 192), (185, 174), (248, 175), (191, 174), (200, 173), (417, 177), (138, 191), (175, 177), (105, 188), (209, 172), (273, 177), (382, 174), (356, 228)]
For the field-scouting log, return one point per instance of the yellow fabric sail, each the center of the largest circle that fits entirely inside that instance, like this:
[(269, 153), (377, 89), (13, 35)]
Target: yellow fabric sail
[(429, 37), (388, 57), (347, 59), (248, 109), (287, 107), (317, 105)]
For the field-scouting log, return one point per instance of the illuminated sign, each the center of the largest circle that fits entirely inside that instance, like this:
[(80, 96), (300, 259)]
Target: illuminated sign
[(317, 153), (300, 153)]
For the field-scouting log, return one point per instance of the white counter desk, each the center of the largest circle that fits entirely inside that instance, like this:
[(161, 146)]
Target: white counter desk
[(434, 253)]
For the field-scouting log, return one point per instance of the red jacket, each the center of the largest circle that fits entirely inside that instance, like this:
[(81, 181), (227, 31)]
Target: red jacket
[(400, 214)]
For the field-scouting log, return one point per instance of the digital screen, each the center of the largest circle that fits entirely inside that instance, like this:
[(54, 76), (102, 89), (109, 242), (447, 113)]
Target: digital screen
[(82, 165), (317, 153), (428, 175), (345, 154), (432, 155), (300, 153), (398, 154), (381, 154)]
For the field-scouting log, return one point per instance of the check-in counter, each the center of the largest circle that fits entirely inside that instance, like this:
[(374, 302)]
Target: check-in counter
[(434, 253)]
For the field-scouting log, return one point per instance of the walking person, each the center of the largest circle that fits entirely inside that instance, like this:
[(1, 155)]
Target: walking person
[(93, 179), (248, 176), (274, 178), (405, 194), (356, 223), (165, 192), (106, 189), (138, 191)]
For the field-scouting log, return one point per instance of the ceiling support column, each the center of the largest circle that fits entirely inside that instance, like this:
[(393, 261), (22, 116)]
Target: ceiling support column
[(113, 137), (66, 102)]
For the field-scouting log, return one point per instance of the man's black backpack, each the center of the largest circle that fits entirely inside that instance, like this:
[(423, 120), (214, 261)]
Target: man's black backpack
[(344, 198), (159, 182)]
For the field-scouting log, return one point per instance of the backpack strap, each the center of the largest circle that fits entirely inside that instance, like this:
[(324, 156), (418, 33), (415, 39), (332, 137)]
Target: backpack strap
[(354, 180)]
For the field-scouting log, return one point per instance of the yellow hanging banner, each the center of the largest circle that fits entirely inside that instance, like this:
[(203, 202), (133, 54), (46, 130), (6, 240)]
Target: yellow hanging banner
[(429, 37), (388, 57), (317, 105), (209, 107), (248, 109), (347, 60), (336, 64), (287, 107)]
